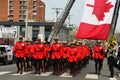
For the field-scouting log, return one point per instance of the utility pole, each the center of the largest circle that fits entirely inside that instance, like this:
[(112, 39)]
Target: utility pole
[(57, 12), (62, 18), (69, 20)]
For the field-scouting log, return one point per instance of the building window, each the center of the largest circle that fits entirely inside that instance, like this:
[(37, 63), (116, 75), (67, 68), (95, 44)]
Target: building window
[(21, 7), (21, 20), (11, 7), (34, 8), (11, 20), (35, 13), (10, 16), (21, 2), (47, 29), (35, 33), (7, 26), (22, 30), (24, 3), (24, 12), (35, 28), (22, 17), (11, 12), (11, 3), (25, 7), (34, 17), (34, 3), (21, 12)]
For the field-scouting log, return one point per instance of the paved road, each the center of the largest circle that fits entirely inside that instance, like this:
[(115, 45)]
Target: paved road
[(8, 72)]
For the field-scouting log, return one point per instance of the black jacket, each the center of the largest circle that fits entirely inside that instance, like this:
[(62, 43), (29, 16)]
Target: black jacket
[(111, 60)]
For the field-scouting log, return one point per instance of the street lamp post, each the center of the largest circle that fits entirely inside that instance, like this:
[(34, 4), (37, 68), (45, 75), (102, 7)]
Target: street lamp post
[(69, 19), (26, 20)]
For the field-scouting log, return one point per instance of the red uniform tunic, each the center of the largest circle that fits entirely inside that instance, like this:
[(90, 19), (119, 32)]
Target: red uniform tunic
[(82, 48), (45, 50), (80, 54), (72, 54), (65, 52), (39, 51), (56, 49), (98, 52), (26, 49), (47, 54), (30, 51), (86, 51), (20, 49)]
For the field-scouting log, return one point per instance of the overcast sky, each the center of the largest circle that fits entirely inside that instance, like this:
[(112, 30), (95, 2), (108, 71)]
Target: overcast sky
[(76, 11)]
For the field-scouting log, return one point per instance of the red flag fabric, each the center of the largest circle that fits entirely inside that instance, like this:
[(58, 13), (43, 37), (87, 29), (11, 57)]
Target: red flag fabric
[(96, 19)]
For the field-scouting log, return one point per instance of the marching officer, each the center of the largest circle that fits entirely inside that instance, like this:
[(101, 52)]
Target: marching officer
[(39, 51), (26, 58), (56, 49), (72, 58), (19, 49), (44, 61), (86, 53), (48, 59), (65, 55), (98, 55), (80, 54), (29, 53)]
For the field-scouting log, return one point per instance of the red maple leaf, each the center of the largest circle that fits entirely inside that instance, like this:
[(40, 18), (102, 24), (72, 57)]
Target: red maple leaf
[(100, 8)]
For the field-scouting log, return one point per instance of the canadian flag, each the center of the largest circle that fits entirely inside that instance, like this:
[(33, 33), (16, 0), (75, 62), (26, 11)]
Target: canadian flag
[(96, 19)]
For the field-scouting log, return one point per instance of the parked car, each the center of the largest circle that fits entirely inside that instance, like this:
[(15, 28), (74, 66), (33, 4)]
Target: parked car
[(6, 54)]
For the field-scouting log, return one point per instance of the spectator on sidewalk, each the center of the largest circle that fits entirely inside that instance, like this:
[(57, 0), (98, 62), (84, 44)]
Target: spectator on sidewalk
[(110, 59)]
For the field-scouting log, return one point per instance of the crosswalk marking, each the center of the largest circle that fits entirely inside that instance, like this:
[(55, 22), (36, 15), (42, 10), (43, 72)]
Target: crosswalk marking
[(44, 74), (118, 74), (65, 75), (113, 78), (18, 74), (91, 76), (4, 72)]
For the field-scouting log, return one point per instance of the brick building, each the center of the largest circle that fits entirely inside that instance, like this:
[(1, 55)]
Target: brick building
[(13, 15), (15, 10)]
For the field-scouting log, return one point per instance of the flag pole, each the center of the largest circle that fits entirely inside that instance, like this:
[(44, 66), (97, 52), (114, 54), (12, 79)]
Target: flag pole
[(114, 19)]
